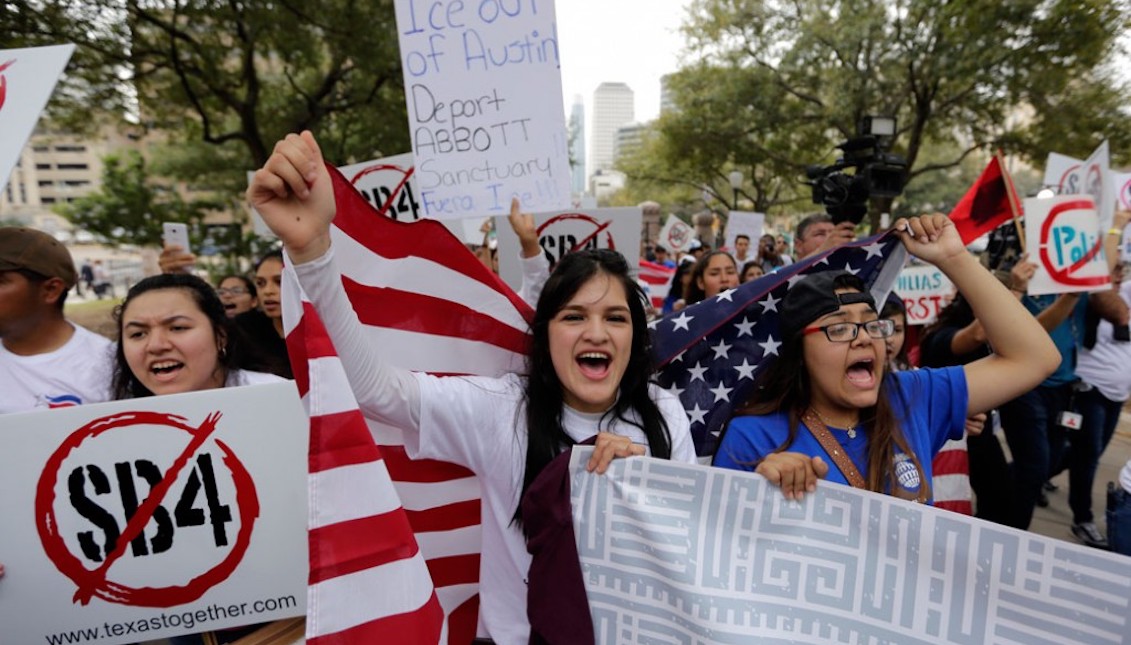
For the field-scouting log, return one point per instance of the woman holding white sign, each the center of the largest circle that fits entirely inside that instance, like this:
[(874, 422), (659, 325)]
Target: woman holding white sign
[(587, 375), (827, 409)]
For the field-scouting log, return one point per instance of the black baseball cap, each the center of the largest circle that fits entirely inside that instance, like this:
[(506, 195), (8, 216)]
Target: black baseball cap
[(815, 296)]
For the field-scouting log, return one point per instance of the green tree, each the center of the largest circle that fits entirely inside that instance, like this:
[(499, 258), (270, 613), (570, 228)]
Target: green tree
[(777, 85), (130, 208), (232, 75)]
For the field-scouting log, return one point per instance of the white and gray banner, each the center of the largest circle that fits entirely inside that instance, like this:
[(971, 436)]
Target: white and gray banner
[(675, 553)]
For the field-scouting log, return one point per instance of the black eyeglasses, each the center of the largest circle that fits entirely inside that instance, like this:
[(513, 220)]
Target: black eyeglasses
[(846, 332), (231, 291)]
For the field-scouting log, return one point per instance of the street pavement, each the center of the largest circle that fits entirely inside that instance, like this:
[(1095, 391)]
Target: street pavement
[(1056, 520)]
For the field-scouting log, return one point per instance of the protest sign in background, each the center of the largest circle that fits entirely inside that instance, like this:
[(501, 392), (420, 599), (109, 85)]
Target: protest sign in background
[(1091, 177), (1065, 239), (676, 235), (389, 185), (143, 519), (563, 232), (680, 553), (484, 94), (925, 291), (27, 78), (749, 224)]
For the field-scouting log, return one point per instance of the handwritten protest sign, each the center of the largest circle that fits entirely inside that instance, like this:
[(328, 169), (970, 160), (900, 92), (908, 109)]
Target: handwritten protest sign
[(676, 235), (1091, 177), (749, 224), (1065, 235), (483, 88), (147, 518), (566, 231), (925, 291), (27, 78)]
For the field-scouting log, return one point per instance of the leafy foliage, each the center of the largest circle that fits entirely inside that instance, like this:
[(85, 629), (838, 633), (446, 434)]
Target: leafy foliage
[(777, 84), (236, 75), (130, 208)]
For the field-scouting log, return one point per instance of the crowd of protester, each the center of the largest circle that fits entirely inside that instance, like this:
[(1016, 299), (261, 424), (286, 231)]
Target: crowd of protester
[(843, 400)]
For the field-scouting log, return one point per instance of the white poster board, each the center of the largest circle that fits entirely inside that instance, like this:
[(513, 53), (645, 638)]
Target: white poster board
[(744, 223), (676, 235), (559, 233), (484, 93), (27, 78), (389, 185), (223, 545), (1092, 177), (925, 291), (1065, 239)]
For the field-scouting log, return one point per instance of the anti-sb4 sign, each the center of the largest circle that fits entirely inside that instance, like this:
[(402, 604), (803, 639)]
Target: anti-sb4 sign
[(1064, 237), (565, 232), (147, 518)]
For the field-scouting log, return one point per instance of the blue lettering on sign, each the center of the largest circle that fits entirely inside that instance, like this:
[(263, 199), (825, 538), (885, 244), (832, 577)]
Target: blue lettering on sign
[(1070, 244), (530, 49)]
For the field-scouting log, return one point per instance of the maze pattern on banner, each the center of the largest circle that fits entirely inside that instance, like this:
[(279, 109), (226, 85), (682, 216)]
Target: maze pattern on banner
[(675, 553)]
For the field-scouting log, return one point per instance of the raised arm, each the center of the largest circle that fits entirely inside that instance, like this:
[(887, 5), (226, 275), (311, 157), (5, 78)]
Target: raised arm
[(293, 193), (1024, 353)]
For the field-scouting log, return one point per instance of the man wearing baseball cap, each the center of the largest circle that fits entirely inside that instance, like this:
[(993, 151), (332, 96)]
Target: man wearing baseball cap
[(45, 360)]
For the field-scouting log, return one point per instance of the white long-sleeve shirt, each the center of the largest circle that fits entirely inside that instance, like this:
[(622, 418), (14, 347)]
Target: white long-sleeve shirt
[(477, 422)]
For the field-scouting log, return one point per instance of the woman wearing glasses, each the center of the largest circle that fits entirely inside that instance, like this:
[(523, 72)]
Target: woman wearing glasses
[(825, 408), (237, 292)]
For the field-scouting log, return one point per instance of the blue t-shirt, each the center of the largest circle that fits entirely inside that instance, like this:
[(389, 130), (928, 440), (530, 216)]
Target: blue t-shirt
[(1066, 336), (929, 403)]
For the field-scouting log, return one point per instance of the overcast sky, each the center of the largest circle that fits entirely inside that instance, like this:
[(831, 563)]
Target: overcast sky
[(631, 41)]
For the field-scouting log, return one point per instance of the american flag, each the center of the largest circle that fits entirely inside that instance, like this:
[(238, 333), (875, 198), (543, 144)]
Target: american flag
[(711, 352), (658, 278), (395, 543)]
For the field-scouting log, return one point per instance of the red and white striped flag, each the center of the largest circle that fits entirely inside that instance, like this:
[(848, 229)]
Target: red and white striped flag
[(394, 543), (658, 278)]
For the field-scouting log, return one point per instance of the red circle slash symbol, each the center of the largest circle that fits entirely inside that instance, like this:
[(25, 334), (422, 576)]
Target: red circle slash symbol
[(1064, 275), (96, 582), (4, 82), (368, 182), (564, 244)]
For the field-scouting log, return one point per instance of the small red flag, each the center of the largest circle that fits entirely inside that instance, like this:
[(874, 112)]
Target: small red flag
[(987, 204)]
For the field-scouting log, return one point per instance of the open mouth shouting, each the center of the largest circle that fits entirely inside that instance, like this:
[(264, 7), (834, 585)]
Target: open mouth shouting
[(594, 365), (862, 373), (164, 371)]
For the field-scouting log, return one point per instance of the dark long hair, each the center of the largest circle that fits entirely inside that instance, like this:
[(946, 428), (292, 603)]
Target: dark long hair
[(694, 293), (785, 386), (543, 398), (235, 352)]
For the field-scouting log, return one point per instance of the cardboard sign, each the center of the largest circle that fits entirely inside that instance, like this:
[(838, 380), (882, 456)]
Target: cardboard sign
[(27, 78), (484, 93), (1065, 238), (147, 518), (749, 224), (676, 235), (389, 185), (1091, 177), (559, 233), (925, 291)]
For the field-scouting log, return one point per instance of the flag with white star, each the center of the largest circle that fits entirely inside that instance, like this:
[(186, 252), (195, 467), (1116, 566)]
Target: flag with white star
[(711, 353)]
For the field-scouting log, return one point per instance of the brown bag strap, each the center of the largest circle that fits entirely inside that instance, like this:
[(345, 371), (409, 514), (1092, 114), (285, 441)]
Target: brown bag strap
[(835, 450)]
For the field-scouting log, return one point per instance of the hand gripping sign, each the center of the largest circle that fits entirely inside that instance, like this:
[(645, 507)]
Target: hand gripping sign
[(147, 518), (1065, 236)]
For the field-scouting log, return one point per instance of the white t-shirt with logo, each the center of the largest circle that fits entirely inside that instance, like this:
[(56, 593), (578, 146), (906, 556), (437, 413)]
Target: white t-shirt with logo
[(75, 374)]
